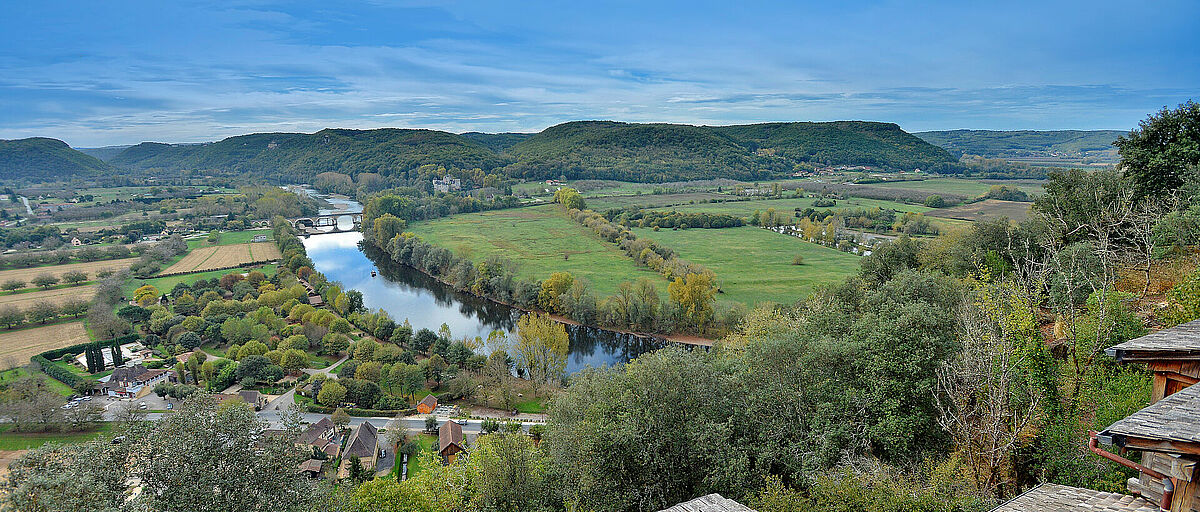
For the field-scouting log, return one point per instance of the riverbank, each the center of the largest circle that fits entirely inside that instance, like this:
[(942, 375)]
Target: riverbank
[(685, 339)]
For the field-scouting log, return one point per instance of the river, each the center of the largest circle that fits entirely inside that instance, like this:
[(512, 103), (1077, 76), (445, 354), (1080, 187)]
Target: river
[(408, 294)]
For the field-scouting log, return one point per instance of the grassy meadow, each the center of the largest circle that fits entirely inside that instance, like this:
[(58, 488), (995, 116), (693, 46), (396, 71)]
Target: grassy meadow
[(537, 238), (754, 265)]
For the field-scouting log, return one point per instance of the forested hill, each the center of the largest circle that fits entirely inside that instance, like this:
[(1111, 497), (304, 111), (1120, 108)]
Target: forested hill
[(663, 152), (1017, 143), (105, 153), (300, 156), (840, 142), (498, 142), (582, 149), (40, 157)]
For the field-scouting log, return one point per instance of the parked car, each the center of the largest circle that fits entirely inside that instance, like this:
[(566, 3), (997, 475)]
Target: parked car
[(461, 421)]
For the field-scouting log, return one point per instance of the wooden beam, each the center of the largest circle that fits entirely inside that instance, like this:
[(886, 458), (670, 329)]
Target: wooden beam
[(1163, 446)]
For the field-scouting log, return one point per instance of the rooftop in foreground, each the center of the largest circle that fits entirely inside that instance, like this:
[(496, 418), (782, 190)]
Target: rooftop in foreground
[(1060, 498), (1179, 342), (709, 503)]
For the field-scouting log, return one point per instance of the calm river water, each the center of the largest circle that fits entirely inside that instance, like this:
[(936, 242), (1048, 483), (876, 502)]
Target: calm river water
[(406, 293)]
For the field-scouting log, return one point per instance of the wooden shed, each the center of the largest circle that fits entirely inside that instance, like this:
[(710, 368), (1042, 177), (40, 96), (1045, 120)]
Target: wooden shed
[(427, 404), (450, 441)]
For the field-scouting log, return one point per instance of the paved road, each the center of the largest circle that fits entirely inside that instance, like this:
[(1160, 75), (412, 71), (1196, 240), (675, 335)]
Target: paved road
[(282, 402)]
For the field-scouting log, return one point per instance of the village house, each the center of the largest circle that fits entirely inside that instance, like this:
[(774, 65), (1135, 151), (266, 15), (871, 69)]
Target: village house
[(447, 184), (132, 381), (364, 444), (321, 436), (1167, 433), (427, 404), (450, 441), (76, 242), (259, 238), (254, 398)]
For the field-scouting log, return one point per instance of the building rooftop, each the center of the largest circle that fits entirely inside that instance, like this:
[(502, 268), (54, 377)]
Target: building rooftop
[(1060, 498), (1179, 342), (1175, 419), (709, 503), (363, 442), (449, 433)]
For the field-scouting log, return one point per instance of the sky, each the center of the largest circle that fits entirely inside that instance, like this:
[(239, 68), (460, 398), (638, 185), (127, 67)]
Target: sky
[(115, 72)]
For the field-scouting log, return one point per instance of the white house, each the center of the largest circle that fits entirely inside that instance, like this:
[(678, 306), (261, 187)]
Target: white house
[(132, 381)]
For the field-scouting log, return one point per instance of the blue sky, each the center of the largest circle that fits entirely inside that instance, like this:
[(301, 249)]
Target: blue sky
[(114, 72)]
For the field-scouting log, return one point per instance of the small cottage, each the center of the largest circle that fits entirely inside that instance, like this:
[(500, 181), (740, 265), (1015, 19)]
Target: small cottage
[(450, 441), (427, 404)]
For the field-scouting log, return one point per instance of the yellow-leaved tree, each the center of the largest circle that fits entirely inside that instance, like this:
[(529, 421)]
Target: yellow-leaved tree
[(542, 347)]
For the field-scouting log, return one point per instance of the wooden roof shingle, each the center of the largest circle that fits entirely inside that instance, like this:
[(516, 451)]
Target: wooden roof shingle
[(1060, 498), (1179, 342), (1175, 418), (709, 503)]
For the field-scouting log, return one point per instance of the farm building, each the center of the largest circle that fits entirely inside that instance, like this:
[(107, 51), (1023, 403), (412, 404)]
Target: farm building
[(427, 404), (310, 468), (1167, 433), (450, 441)]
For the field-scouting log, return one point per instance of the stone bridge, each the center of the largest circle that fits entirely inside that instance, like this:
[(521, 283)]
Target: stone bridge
[(333, 223)]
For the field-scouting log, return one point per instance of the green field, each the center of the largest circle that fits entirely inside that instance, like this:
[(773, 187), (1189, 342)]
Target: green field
[(536, 238), (425, 444), (18, 373), (747, 208), (969, 188), (26, 441), (652, 200), (165, 284), (231, 238), (755, 265)]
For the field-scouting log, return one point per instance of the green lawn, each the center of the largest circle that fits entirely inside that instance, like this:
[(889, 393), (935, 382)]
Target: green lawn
[(165, 284), (747, 208), (536, 238), (424, 445), (18, 373), (532, 405), (27, 441), (755, 265), (969, 188), (231, 238)]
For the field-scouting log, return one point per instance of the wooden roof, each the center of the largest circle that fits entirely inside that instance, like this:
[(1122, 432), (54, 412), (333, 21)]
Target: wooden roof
[(430, 400), (1060, 498), (449, 433), (363, 442), (709, 503), (1179, 342), (1170, 425)]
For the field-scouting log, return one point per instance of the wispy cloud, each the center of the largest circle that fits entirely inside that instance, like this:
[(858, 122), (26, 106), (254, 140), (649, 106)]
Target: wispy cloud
[(108, 73)]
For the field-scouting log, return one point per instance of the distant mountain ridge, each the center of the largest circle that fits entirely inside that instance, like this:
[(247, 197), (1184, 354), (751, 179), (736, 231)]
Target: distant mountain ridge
[(666, 152), (1026, 143), (300, 156), (580, 149), (104, 153), (41, 157)]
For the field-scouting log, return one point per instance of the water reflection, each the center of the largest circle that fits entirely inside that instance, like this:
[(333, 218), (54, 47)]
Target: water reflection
[(406, 293)]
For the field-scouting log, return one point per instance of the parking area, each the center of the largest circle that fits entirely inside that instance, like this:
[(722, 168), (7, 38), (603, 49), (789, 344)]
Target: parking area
[(147, 403), (445, 411)]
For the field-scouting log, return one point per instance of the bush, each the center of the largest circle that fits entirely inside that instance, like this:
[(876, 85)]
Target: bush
[(797, 260)]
